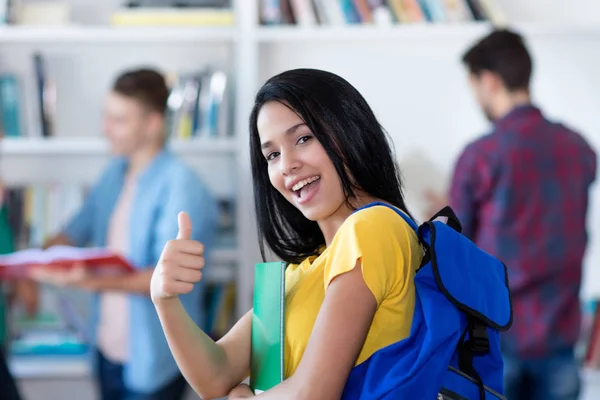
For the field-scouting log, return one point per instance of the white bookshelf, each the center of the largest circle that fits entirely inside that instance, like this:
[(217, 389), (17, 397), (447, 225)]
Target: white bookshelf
[(73, 34), (270, 34), (98, 146), (26, 367), (419, 32), (77, 152)]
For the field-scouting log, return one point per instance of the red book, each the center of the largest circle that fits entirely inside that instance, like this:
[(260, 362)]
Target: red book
[(100, 260)]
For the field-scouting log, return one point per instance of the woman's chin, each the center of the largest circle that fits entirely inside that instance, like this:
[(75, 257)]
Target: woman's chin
[(318, 208), (315, 212)]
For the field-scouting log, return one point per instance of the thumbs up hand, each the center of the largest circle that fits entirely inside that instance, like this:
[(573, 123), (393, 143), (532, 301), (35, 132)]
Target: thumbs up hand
[(180, 264)]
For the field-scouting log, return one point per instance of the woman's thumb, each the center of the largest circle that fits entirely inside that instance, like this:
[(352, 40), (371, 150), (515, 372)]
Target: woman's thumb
[(185, 226)]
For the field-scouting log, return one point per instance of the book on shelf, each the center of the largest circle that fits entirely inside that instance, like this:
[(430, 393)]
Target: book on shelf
[(55, 343), (59, 328), (377, 12), (219, 300), (199, 104), (177, 3), (6, 12), (46, 95), (46, 334), (37, 211), (170, 13), (10, 106), (267, 342), (13, 100)]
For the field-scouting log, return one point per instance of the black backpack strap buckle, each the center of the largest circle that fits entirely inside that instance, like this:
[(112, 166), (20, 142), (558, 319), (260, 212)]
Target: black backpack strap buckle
[(480, 343), (477, 344)]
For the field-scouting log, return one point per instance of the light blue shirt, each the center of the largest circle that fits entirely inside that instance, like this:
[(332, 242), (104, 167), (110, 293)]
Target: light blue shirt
[(166, 187)]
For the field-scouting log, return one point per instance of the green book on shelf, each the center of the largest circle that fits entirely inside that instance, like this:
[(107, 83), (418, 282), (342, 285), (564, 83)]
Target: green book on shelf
[(266, 364)]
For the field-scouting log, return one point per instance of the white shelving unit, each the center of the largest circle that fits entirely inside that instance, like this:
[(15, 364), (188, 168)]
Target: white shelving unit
[(77, 152), (23, 160), (12, 147), (107, 34), (72, 367), (414, 32)]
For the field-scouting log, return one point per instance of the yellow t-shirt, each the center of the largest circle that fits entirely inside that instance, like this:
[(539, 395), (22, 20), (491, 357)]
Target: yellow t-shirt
[(390, 254)]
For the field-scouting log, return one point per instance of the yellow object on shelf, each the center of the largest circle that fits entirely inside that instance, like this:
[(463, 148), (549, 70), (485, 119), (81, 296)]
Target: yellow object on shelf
[(174, 17)]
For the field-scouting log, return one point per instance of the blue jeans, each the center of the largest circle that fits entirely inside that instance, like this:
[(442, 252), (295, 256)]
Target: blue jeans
[(112, 386), (553, 377)]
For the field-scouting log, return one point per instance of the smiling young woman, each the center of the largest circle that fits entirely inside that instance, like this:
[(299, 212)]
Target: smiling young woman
[(325, 186)]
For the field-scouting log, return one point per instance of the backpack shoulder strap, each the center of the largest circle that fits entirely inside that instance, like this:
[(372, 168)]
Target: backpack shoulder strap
[(453, 221), (404, 216)]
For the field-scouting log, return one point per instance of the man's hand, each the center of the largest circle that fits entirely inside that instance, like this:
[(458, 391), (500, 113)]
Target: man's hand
[(26, 292), (242, 391), (435, 202), (75, 276), (59, 240), (180, 264)]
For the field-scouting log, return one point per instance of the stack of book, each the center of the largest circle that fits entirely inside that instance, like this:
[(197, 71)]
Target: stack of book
[(378, 12), (175, 13), (199, 104)]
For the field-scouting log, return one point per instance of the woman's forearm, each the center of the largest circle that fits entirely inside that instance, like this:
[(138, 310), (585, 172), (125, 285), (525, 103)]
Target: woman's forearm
[(202, 362)]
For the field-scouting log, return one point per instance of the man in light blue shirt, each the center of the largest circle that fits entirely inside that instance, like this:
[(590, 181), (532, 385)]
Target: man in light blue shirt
[(133, 209)]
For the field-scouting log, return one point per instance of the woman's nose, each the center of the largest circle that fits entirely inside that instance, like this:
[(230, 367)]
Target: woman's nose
[(289, 163)]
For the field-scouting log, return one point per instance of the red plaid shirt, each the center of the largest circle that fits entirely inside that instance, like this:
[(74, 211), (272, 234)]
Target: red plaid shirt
[(521, 194)]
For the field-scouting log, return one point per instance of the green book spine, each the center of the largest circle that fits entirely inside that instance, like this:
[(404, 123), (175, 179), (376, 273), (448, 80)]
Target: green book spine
[(266, 367), (7, 245)]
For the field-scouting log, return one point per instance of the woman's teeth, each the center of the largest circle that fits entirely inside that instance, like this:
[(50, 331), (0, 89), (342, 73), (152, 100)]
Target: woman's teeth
[(304, 182)]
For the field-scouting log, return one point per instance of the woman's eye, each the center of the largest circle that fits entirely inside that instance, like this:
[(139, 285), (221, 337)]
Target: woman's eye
[(304, 139), (271, 156)]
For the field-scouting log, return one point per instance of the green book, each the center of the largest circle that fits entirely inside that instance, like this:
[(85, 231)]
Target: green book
[(266, 363), (7, 245)]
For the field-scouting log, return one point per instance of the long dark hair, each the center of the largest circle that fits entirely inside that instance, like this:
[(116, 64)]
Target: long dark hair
[(357, 145)]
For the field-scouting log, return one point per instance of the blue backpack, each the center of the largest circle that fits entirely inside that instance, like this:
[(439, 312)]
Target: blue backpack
[(462, 305)]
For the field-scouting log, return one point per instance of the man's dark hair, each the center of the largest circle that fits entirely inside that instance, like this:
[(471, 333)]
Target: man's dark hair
[(504, 53), (147, 86)]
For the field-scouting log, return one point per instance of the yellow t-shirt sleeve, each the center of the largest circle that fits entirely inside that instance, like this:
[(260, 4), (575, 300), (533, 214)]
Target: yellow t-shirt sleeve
[(380, 239)]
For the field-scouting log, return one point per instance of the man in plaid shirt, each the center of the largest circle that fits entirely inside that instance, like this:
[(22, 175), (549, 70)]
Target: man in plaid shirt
[(521, 193)]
